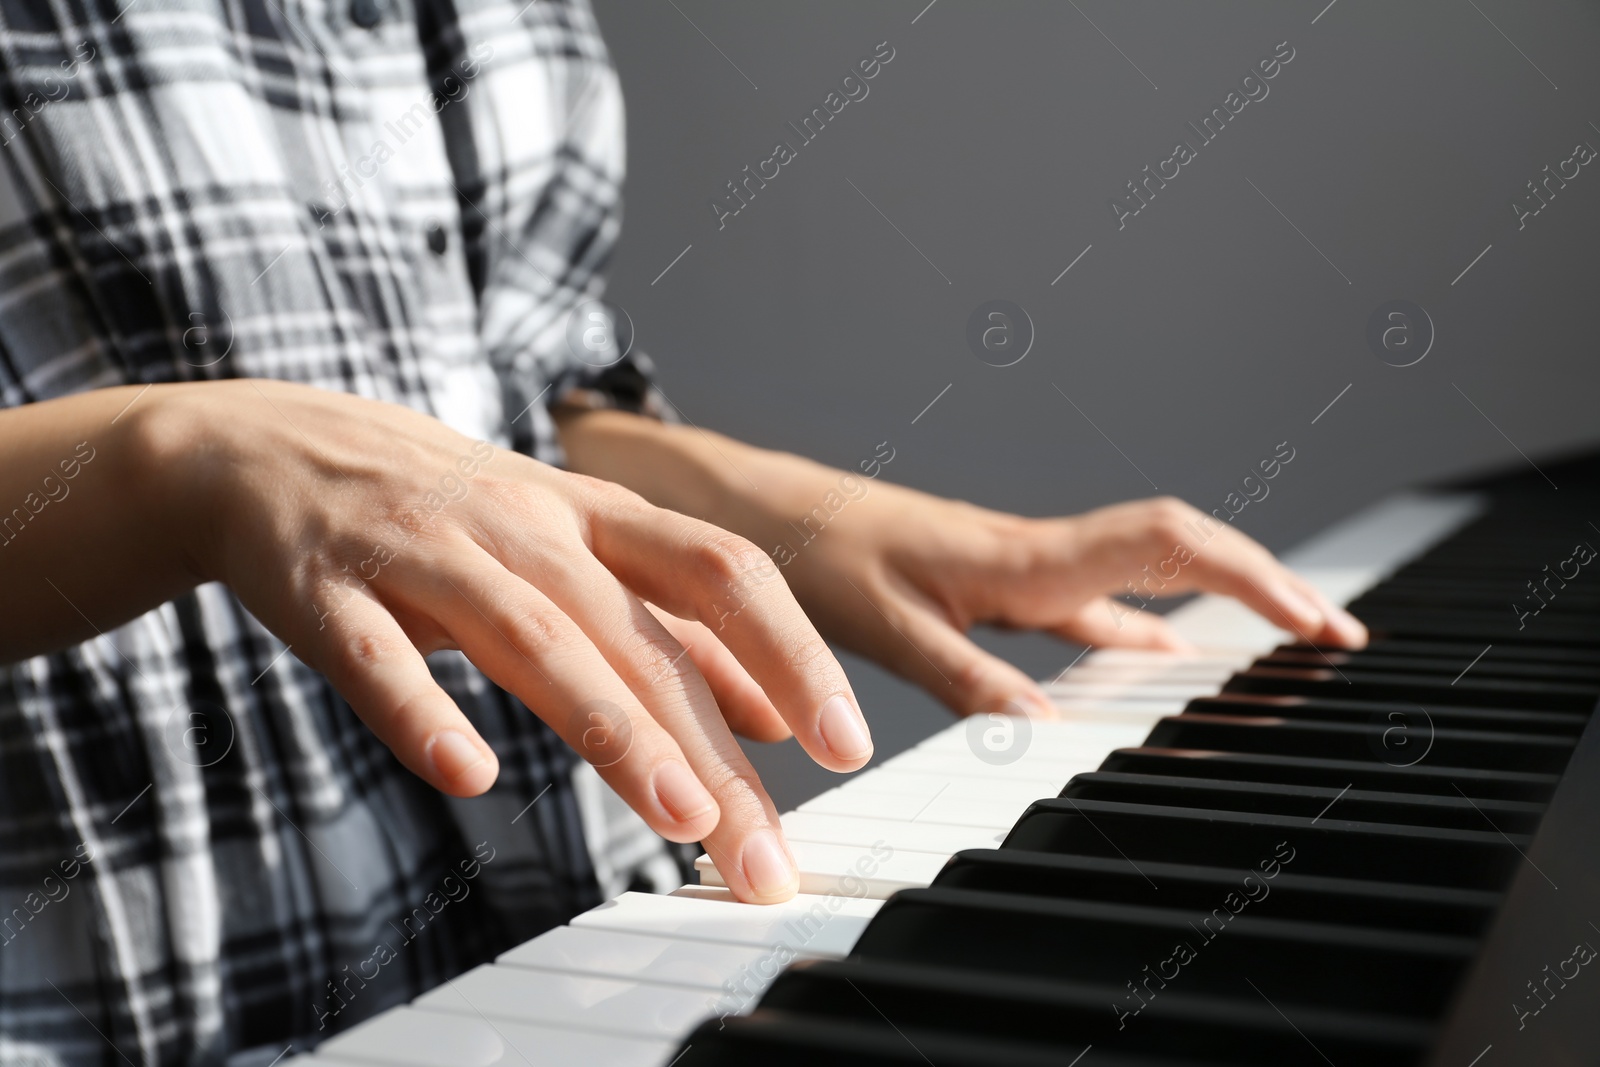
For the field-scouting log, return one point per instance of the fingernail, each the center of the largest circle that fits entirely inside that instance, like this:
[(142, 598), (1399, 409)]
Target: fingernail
[(1306, 615), (1349, 628), (1036, 706), (453, 755), (680, 792), (766, 865), (843, 729)]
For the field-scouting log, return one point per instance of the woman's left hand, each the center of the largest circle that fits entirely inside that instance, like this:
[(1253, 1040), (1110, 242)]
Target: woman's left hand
[(900, 576)]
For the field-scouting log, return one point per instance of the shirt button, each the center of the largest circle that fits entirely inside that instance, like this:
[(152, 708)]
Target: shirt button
[(438, 238), (366, 13)]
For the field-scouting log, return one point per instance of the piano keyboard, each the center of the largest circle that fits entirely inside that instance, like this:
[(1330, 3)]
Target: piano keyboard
[(1253, 854)]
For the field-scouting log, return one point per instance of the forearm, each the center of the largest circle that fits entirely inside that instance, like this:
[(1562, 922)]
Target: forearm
[(85, 535), (699, 473)]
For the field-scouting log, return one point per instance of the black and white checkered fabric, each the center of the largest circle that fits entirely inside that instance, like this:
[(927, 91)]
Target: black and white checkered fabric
[(204, 857)]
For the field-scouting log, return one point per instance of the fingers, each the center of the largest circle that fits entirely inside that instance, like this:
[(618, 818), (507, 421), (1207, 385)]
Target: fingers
[(1107, 623), (528, 646), (744, 704), (375, 667), (1340, 628), (1181, 549), (696, 571), (1234, 564), (747, 842), (926, 649)]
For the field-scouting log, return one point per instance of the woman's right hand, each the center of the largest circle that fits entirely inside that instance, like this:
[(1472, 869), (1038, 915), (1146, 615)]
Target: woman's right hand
[(366, 535)]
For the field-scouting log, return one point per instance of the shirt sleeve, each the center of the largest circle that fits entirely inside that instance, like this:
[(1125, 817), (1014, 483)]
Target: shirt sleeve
[(535, 137)]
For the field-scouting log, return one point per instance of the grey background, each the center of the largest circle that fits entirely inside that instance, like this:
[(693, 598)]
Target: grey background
[(1196, 338)]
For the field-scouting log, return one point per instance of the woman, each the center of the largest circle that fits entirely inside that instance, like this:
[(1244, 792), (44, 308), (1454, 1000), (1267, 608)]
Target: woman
[(303, 382)]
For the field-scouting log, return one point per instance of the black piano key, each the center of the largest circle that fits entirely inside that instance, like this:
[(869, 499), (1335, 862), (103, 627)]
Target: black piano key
[(1466, 651), (1408, 741), (1484, 626), (1382, 714), (1288, 895), (1239, 1029), (1358, 774), (1399, 783), (785, 1039), (1306, 963), (1355, 684), (1440, 666), (1354, 805), (1326, 846), (1447, 588)]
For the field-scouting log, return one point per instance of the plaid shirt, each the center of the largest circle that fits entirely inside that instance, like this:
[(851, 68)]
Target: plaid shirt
[(204, 856)]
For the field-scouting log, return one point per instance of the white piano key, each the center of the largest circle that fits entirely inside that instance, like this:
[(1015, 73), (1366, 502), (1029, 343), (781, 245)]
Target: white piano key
[(1149, 696), (811, 925), (1110, 699), (696, 891), (876, 871), (1146, 658), (1342, 561), (573, 1001), (927, 786), (406, 1037), (1037, 765), (1075, 740), (1145, 693), (1073, 728), (900, 835), (647, 957), (995, 815), (1111, 672), (1378, 539), (1225, 621), (1076, 707)]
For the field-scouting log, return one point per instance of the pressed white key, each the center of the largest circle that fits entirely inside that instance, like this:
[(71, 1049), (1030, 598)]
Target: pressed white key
[(611, 953), (406, 1037), (877, 871), (576, 1001), (902, 836), (811, 925)]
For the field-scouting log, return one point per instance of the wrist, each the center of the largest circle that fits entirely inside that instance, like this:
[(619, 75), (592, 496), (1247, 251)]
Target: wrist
[(688, 470), (170, 446)]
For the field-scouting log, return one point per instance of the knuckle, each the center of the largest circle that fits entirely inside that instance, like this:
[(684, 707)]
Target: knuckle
[(971, 675), (530, 505), (656, 656), (1168, 515), (808, 654), (597, 500), (731, 562), (532, 634), (365, 651), (737, 790)]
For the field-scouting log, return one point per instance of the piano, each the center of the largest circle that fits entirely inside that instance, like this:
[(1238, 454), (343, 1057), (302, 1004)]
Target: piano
[(1263, 853)]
